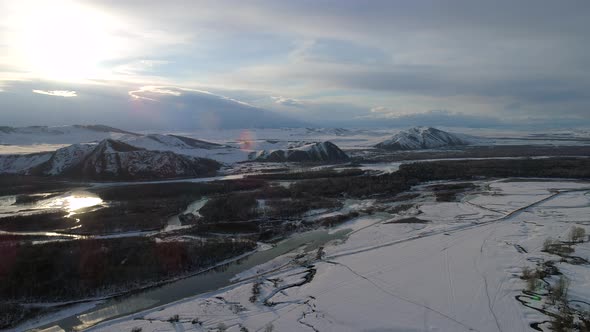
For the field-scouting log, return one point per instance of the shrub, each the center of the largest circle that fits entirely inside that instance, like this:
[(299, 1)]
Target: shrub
[(558, 292), (255, 291), (563, 321), (532, 278), (174, 319), (527, 273), (577, 234), (136, 329), (547, 244)]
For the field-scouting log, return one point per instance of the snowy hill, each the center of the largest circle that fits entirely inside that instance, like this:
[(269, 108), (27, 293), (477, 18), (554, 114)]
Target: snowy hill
[(108, 160), (22, 163), (59, 135), (423, 138), (187, 146), (324, 151), (158, 141), (117, 160)]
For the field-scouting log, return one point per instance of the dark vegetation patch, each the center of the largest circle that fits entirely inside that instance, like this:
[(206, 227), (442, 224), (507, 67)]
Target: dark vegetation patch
[(305, 174), (232, 207), (337, 219), (449, 192), (399, 198), (243, 228), (500, 151), (410, 220), (36, 222), (9, 238), (471, 169), (400, 208), (20, 184), (86, 268), (359, 187), (132, 215), (164, 190), (11, 314), (289, 208), (149, 206)]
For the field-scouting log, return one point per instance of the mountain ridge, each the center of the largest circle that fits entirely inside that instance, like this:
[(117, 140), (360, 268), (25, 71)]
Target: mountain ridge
[(419, 138)]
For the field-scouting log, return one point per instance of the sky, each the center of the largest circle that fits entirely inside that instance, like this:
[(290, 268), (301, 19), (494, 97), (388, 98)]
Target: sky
[(182, 64)]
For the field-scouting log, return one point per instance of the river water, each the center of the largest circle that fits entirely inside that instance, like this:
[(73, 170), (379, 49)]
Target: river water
[(201, 283)]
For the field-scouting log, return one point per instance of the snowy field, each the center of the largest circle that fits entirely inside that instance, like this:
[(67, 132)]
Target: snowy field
[(460, 271)]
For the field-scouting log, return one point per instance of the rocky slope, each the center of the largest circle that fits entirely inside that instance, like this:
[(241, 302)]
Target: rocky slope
[(314, 152), (422, 138)]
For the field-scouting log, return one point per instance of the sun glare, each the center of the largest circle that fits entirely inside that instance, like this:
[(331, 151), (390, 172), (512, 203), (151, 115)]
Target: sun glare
[(64, 40)]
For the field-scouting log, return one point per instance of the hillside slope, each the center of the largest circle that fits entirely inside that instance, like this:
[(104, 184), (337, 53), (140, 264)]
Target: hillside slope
[(422, 138)]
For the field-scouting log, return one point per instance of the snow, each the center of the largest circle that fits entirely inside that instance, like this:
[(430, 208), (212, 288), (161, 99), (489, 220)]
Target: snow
[(22, 163), (408, 279), (57, 135), (423, 138), (459, 280), (67, 157), (321, 151), (230, 146), (158, 142)]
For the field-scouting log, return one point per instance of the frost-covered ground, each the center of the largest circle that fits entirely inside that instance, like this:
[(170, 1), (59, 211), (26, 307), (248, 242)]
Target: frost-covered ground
[(458, 272)]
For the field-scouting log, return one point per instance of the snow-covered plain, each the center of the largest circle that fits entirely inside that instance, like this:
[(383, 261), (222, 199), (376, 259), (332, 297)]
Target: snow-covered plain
[(459, 272)]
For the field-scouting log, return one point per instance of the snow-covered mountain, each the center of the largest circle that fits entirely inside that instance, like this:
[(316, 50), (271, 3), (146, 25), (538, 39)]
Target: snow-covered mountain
[(324, 151), (22, 163), (423, 138), (187, 146), (59, 135), (163, 142), (108, 160), (65, 158)]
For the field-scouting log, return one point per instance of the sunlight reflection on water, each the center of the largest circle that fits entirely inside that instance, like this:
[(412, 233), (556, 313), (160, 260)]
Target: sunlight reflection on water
[(72, 203)]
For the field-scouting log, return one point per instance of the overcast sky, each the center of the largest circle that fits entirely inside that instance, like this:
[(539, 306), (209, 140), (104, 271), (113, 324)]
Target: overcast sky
[(154, 63)]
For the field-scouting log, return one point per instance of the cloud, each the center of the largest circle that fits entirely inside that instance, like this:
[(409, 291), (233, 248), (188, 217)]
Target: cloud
[(287, 101), (57, 93), (382, 111), (334, 59), (151, 92), (122, 106)]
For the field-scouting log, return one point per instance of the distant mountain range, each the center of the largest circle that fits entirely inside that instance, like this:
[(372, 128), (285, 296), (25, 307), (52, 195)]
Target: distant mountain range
[(423, 138), (105, 153), (60, 135), (108, 160)]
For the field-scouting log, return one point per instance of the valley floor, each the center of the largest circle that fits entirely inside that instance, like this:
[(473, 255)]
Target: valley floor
[(458, 270)]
